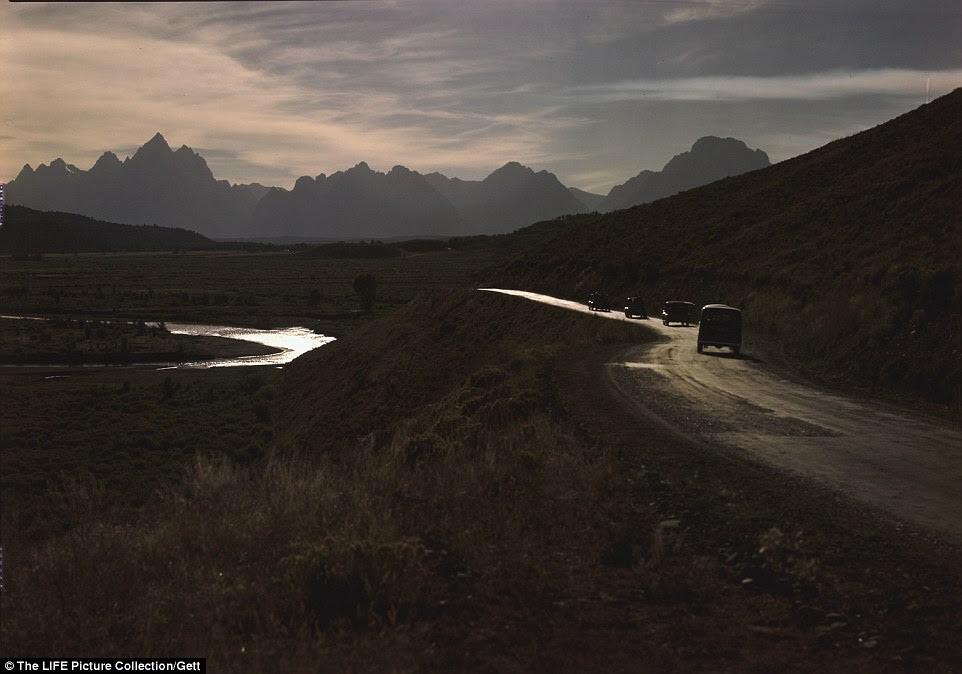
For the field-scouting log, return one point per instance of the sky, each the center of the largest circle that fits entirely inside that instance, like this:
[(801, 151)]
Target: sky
[(594, 91)]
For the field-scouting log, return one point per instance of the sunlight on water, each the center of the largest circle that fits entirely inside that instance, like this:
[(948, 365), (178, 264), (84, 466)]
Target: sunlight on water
[(291, 342)]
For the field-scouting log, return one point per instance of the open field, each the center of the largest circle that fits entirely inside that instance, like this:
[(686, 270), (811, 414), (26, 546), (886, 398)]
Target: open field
[(263, 290)]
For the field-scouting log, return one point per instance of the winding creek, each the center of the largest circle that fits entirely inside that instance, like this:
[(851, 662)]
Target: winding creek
[(290, 342)]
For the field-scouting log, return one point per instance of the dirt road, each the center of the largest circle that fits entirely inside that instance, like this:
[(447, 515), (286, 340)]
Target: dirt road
[(899, 463)]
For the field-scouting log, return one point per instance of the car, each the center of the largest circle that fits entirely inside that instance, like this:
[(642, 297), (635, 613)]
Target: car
[(720, 326), (677, 312), (598, 302), (635, 306)]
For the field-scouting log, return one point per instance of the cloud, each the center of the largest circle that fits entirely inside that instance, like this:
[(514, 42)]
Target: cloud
[(278, 90), (307, 109), (706, 10), (808, 87), (279, 87)]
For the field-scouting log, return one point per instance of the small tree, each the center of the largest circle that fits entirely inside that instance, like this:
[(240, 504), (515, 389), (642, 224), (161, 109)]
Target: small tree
[(365, 286)]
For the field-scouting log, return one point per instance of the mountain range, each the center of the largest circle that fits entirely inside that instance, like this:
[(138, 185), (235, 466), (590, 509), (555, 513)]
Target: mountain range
[(156, 186), (176, 188)]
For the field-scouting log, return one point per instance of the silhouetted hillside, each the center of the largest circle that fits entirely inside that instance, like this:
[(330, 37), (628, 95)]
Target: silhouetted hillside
[(709, 159), (26, 231), (849, 257)]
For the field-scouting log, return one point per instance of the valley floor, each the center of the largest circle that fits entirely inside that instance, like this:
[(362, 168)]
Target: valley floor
[(507, 512)]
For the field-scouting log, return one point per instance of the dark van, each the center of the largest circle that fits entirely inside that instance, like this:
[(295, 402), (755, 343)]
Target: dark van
[(635, 306), (720, 325), (598, 302), (678, 312)]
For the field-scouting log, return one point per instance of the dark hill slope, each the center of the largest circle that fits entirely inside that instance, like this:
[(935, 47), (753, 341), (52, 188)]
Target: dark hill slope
[(27, 231), (849, 256)]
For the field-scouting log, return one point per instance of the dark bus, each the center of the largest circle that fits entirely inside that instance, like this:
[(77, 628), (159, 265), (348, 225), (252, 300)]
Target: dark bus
[(720, 325)]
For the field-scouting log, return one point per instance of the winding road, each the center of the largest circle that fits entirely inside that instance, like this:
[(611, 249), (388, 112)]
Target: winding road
[(893, 460)]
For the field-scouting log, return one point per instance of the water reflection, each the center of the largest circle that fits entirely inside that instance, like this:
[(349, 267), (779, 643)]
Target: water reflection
[(290, 342)]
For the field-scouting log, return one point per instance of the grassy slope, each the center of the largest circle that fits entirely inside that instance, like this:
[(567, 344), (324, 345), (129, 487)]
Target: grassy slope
[(473, 424), (849, 257)]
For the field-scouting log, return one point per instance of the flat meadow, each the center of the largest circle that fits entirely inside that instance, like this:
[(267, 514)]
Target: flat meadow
[(90, 413)]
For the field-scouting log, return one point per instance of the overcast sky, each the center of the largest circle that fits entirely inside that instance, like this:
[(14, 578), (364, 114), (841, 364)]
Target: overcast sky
[(591, 90)]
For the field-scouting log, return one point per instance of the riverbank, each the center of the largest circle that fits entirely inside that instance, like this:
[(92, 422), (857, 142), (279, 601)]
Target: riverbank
[(78, 342)]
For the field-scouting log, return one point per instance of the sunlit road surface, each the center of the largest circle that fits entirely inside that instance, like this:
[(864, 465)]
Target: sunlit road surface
[(899, 462)]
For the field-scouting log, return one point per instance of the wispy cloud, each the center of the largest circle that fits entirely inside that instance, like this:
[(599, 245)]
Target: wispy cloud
[(705, 10), (277, 90), (808, 87), (303, 109)]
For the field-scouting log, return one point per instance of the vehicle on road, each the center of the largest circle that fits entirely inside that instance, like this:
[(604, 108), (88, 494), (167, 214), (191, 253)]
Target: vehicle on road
[(678, 312), (635, 306), (720, 326), (599, 302)]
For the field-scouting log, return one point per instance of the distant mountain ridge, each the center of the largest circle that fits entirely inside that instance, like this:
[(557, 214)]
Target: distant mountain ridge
[(176, 188), (355, 203), (156, 185), (509, 198), (709, 159)]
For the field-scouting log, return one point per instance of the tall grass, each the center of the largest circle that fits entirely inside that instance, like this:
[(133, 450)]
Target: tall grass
[(483, 500), (268, 560)]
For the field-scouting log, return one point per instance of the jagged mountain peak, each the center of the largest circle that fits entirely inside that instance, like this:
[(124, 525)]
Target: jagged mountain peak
[(714, 148), (708, 142), (158, 140), (512, 169), (185, 150), (60, 167), (107, 160), (155, 147), (303, 183), (710, 158)]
